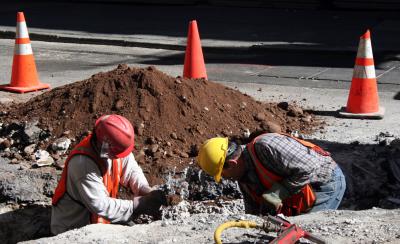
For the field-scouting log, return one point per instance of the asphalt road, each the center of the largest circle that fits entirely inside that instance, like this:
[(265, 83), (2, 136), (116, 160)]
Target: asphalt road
[(273, 55), (62, 63), (304, 48)]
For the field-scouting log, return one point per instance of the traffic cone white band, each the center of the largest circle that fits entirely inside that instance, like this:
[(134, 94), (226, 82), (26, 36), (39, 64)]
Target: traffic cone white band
[(364, 49), (23, 49), (22, 30), (366, 72)]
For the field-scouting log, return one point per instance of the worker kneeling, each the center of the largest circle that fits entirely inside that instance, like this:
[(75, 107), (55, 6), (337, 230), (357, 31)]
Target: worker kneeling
[(276, 173), (88, 188)]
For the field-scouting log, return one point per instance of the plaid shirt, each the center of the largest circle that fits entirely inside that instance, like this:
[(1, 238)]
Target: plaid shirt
[(296, 164)]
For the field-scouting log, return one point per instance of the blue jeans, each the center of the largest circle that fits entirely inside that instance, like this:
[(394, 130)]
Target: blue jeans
[(330, 194)]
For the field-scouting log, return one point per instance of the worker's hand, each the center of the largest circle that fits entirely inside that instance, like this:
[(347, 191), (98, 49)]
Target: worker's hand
[(274, 196), (272, 201), (149, 204)]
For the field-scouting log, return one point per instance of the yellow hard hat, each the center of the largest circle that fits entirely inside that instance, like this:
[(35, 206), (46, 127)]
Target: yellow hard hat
[(212, 156)]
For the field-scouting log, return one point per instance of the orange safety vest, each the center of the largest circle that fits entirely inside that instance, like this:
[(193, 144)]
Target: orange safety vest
[(296, 204), (110, 179)]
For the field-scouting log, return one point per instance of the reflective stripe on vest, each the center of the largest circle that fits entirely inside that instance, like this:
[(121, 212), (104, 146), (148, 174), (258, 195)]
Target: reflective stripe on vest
[(295, 204), (111, 182)]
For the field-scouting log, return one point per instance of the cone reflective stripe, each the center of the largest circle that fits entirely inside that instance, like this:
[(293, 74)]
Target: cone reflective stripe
[(24, 77), (194, 66), (363, 101)]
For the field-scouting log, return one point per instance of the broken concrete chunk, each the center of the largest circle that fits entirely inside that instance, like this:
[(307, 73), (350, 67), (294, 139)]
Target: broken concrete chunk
[(61, 145), (43, 158), (295, 133), (32, 132), (246, 133)]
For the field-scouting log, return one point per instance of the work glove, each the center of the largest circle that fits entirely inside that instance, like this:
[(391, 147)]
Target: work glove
[(149, 204), (274, 196), (144, 190)]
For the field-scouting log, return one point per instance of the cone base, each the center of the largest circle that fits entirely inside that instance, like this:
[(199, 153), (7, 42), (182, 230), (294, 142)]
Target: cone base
[(17, 89), (375, 115)]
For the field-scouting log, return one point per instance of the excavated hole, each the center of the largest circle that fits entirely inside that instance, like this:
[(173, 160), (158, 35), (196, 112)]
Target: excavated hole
[(172, 117)]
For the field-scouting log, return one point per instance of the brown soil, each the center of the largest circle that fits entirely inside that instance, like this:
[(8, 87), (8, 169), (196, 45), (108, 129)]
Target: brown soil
[(171, 116)]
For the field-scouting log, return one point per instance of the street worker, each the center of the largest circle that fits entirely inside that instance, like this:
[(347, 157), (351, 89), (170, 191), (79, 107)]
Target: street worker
[(88, 188), (276, 173)]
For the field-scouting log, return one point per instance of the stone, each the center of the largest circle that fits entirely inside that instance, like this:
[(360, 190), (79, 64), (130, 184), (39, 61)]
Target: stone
[(6, 143), (61, 145), (306, 119), (18, 156), (183, 155), (295, 111), (60, 163), (271, 127), (32, 132), (14, 161), (119, 104), (140, 131), (283, 105), (154, 148), (170, 154), (43, 158), (151, 140), (174, 136), (260, 117)]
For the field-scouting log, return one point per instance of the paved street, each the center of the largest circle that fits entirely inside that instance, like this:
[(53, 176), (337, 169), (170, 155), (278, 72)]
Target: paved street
[(286, 47)]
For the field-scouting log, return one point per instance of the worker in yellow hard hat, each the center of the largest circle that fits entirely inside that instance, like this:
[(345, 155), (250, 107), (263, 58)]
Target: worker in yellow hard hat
[(277, 173)]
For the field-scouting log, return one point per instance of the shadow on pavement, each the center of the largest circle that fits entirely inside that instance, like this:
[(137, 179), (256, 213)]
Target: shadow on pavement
[(284, 56), (280, 29), (397, 96)]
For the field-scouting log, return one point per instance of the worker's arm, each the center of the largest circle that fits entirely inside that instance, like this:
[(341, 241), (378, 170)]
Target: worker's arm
[(133, 177), (146, 199), (85, 185)]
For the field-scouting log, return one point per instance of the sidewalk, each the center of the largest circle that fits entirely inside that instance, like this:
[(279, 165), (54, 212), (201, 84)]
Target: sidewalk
[(221, 28)]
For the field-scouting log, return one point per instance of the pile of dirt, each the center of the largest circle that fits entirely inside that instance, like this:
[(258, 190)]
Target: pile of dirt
[(171, 116)]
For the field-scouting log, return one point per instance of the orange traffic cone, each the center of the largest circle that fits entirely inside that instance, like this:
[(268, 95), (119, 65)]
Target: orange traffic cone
[(24, 76), (363, 101), (194, 66)]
